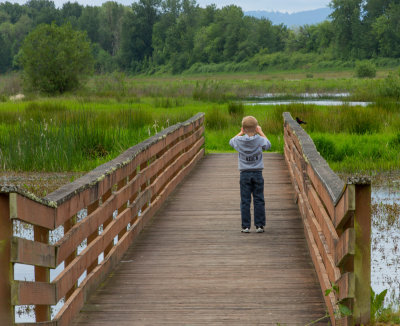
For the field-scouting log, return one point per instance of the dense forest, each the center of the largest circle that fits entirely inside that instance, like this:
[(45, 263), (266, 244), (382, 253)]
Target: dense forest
[(177, 35)]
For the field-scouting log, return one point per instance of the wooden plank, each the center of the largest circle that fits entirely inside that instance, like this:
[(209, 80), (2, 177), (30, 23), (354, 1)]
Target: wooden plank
[(323, 218), (68, 226), (32, 253), (345, 248), (319, 266), (362, 256), (299, 177), (346, 206), (32, 212), (161, 180), (101, 271), (43, 323), (319, 238), (70, 308), (191, 265), (71, 273), (91, 223), (322, 192), (33, 293), (6, 268), (42, 274), (346, 285)]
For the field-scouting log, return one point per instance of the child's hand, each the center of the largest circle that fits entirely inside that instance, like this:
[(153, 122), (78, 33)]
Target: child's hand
[(260, 132), (241, 133)]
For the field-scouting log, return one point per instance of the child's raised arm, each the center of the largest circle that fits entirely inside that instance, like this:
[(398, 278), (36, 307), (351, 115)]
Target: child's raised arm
[(260, 132), (241, 133)]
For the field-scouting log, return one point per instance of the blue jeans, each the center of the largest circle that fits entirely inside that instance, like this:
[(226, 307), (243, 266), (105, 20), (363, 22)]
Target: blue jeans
[(252, 183)]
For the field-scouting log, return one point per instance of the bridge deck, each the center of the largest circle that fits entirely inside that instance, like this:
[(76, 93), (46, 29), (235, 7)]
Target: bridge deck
[(192, 265)]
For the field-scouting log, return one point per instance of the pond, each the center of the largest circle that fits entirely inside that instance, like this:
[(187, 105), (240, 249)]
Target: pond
[(385, 242), (324, 99)]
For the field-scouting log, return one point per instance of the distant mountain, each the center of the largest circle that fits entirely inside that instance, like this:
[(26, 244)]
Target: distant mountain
[(301, 18)]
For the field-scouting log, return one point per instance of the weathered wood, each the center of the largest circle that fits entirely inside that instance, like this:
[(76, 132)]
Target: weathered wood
[(77, 195), (42, 274), (32, 212), (345, 247), (320, 240), (319, 266), (323, 219), (322, 192), (344, 210), (6, 268), (33, 253), (33, 293), (68, 226), (332, 184), (333, 214), (362, 257), (93, 236), (346, 285), (191, 265)]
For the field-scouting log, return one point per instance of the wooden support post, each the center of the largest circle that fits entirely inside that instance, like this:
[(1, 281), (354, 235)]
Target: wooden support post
[(42, 274), (6, 268), (91, 208), (67, 226), (362, 258)]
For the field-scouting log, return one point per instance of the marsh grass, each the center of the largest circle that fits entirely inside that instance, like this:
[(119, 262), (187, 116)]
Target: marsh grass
[(61, 136), (115, 111)]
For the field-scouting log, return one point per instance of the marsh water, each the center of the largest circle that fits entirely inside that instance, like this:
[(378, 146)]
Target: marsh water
[(385, 242), (324, 99)]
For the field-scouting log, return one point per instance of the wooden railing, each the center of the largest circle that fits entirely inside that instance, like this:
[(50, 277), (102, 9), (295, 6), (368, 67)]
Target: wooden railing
[(337, 225), (119, 197)]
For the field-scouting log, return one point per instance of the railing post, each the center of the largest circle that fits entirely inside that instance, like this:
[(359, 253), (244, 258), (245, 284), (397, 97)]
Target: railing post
[(362, 258), (42, 274), (6, 272)]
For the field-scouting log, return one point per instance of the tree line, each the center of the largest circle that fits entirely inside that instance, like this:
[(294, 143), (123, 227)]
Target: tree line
[(174, 35)]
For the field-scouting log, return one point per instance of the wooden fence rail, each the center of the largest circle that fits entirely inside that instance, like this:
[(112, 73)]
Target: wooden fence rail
[(337, 225), (118, 197)]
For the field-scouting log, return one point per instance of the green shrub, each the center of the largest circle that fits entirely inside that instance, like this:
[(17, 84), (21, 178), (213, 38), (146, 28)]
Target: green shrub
[(390, 87), (55, 59), (365, 69)]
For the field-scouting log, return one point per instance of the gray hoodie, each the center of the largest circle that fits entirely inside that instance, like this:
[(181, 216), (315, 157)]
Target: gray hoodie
[(250, 151)]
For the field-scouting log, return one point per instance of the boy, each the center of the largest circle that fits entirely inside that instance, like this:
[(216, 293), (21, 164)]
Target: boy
[(250, 142)]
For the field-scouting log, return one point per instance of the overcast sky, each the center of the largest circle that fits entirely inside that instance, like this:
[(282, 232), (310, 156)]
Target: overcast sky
[(247, 5)]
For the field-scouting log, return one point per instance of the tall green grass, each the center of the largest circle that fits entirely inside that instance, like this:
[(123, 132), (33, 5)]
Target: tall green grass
[(113, 112), (61, 136)]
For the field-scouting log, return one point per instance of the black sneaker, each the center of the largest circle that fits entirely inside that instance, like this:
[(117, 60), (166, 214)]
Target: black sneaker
[(260, 229)]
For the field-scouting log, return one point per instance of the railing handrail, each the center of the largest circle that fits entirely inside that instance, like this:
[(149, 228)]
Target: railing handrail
[(119, 197), (331, 181), (337, 224)]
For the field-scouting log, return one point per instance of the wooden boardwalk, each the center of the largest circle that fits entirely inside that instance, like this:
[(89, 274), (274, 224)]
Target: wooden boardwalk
[(192, 266)]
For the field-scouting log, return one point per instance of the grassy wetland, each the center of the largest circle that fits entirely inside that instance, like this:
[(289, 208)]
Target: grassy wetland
[(73, 133)]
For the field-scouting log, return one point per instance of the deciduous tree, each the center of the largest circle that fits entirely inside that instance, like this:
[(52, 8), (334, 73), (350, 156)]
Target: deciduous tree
[(55, 59)]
